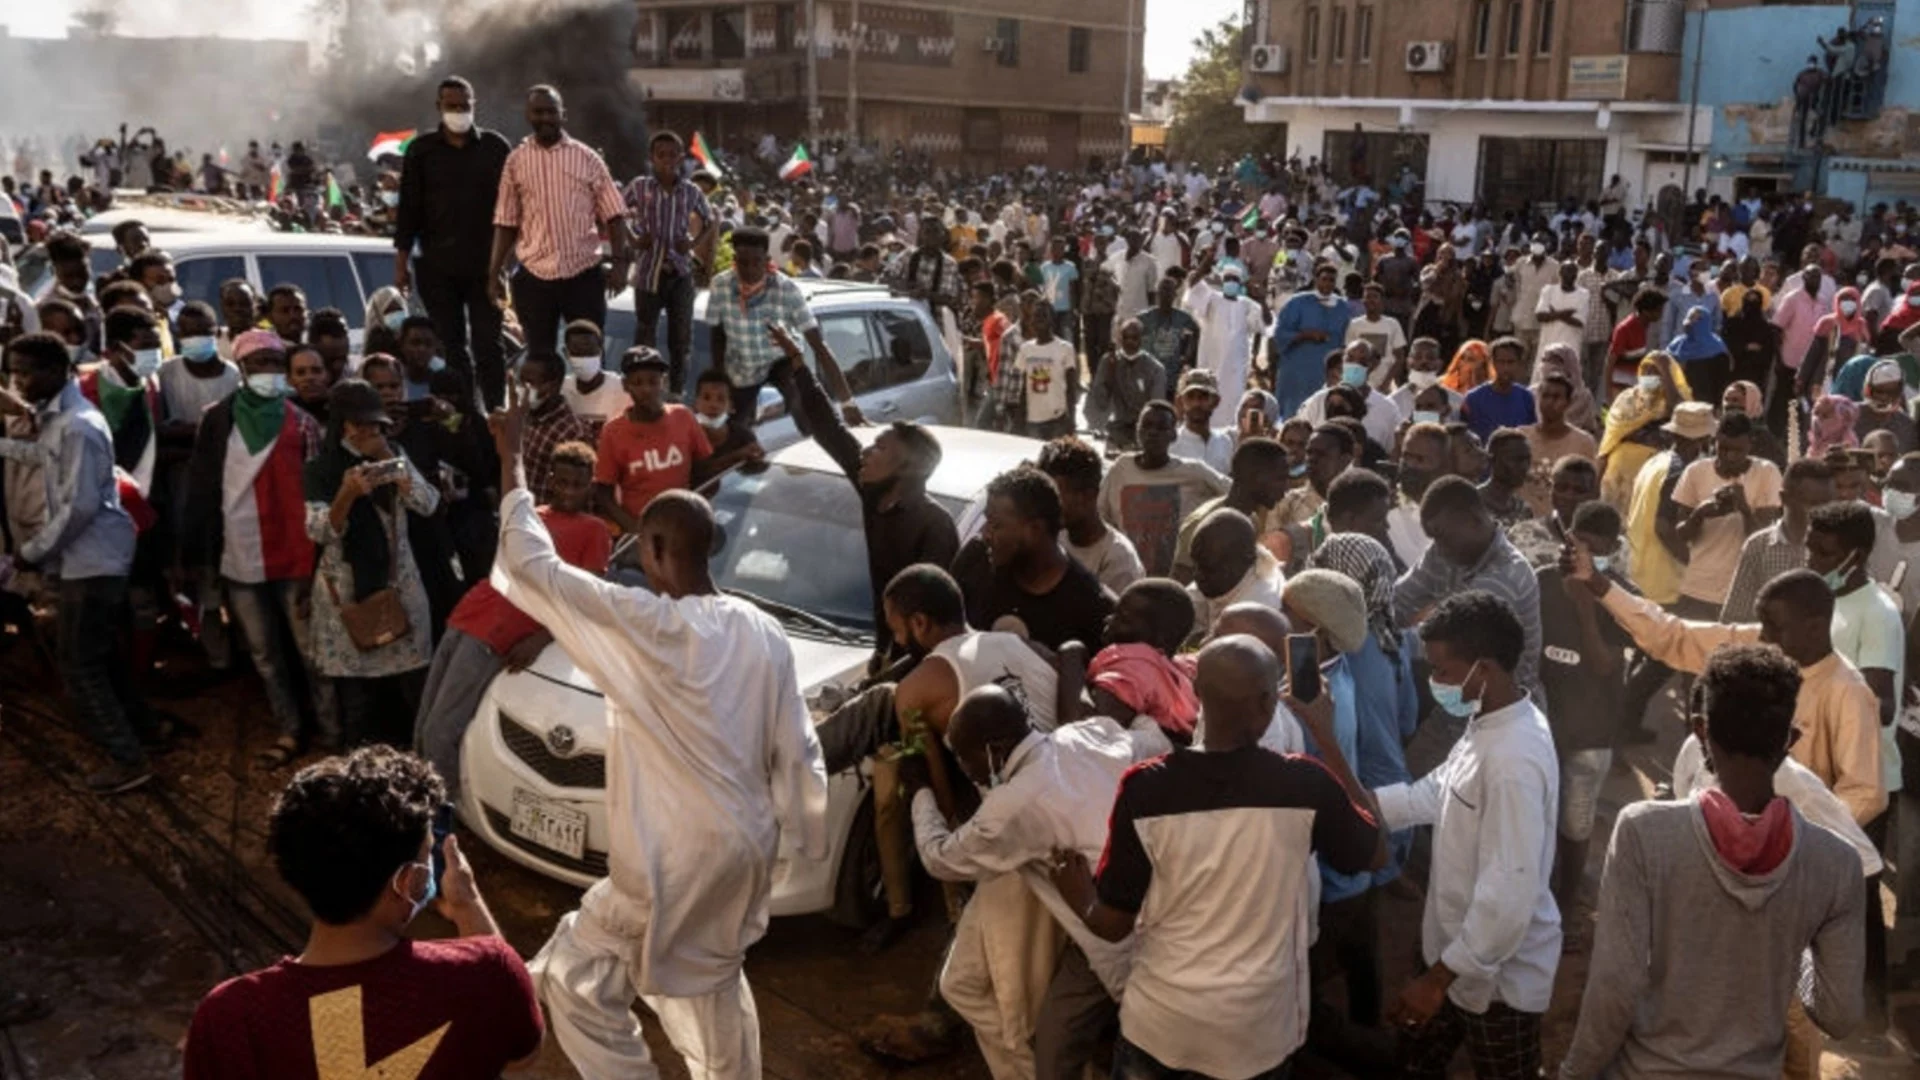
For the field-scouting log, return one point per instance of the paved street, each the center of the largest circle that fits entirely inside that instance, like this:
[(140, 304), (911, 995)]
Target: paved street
[(122, 911)]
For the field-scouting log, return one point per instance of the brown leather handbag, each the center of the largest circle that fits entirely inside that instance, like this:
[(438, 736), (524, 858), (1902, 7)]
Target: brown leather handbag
[(380, 619)]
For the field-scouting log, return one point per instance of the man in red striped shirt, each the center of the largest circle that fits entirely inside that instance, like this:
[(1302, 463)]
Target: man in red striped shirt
[(555, 196)]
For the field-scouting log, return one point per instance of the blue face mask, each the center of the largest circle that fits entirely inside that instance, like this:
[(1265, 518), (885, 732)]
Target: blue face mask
[(198, 348), (1353, 375), (1453, 698), (1601, 562), (1297, 470), (1230, 289), (436, 364), (1425, 416), (1836, 578), (394, 319), (146, 362)]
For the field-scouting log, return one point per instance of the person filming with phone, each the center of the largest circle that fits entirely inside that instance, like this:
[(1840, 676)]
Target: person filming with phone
[(370, 622), (363, 839)]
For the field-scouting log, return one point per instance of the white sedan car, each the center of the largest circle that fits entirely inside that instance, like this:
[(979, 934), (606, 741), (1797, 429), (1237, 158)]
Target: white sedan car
[(534, 759)]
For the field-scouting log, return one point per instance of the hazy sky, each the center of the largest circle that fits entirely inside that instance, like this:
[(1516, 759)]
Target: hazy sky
[(1171, 24)]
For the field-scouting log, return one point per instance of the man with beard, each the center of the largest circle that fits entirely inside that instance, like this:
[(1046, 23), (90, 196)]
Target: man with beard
[(1016, 574)]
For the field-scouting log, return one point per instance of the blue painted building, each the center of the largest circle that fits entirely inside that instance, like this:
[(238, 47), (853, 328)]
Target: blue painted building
[(1862, 140)]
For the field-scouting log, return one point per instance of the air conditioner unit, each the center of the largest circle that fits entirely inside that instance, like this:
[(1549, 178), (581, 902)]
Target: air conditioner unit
[(991, 44), (1268, 59), (1426, 56)]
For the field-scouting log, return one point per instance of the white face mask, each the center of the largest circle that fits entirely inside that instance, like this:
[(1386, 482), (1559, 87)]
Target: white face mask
[(1422, 379), (457, 122), (1539, 249), (1848, 307), (268, 384), (713, 423), (198, 348), (1899, 504), (390, 198), (1649, 382), (164, 295), (584, 367), (146, 362)]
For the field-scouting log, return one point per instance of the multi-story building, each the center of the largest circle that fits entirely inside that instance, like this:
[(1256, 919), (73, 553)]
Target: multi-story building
[(988, 83), (1505, 102)]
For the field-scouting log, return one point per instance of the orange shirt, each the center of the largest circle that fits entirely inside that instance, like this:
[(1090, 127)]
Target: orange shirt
[(643, 459)]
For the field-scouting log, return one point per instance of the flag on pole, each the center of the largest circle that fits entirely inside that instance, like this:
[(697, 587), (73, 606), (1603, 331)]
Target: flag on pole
[(335, 199), (798, 165), (275, 183), (698, 148), (390, 142), (1251, 219)]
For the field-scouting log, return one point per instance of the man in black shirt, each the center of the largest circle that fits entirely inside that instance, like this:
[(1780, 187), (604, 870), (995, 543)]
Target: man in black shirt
[(448, 183), (903, 524), (1584, 676), (1017, 570)]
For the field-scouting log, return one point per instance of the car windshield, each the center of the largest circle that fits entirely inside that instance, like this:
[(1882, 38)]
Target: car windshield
[(794, 537)]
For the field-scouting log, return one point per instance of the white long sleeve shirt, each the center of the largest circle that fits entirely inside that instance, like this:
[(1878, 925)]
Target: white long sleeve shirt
[(1793, 782), (1056, 791), (711, 754), (1490, 916)]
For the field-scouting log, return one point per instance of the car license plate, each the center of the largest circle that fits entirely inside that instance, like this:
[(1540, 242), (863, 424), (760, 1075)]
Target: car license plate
[(549, 824)]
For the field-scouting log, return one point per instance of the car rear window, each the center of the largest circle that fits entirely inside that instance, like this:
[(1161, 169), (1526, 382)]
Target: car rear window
[(201, 277), (327, 280)]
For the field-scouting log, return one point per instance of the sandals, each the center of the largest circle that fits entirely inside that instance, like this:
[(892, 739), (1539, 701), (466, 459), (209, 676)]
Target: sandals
[(278, 755)]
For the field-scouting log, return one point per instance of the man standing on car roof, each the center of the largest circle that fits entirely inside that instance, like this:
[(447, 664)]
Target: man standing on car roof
[(449, 181), (674, 237), (750, 308)]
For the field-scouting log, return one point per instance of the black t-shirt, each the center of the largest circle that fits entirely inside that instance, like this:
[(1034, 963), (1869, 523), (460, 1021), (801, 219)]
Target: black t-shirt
[(1583, 707), (1075, 610)]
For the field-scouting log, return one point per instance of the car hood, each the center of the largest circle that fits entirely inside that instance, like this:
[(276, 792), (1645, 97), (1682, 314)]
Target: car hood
[(817, 662)]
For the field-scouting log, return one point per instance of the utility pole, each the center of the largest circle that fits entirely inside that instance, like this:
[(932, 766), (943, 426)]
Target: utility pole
[(1126, 94), (857, 40), (1693, 107), (813, 75)]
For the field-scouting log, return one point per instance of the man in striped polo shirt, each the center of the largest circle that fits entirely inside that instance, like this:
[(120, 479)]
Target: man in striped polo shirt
[(555, 195), (674, 237)]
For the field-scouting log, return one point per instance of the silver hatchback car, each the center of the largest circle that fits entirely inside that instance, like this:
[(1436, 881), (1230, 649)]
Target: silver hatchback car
[(888, 345)]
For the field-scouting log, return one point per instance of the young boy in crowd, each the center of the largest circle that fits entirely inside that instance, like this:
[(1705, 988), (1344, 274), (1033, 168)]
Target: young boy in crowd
[(1048, 373), (592, 393), (1148, 493), (1502, 402), (1075, 468), (486, 633), (419, 356), (713, 409)]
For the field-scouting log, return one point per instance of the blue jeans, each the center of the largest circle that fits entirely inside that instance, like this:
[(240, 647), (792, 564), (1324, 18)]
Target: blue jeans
[(1132, 1063), (268, 616), (93, 612)]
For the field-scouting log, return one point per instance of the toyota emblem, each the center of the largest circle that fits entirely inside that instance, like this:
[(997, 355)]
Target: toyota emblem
[(560, 740)]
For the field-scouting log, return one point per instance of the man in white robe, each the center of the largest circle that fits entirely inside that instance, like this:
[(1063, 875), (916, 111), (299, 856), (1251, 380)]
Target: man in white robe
[(1229, 325), (712, 766)]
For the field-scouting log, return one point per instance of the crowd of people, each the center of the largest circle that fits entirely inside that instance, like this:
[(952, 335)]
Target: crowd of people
[(1405, 522)]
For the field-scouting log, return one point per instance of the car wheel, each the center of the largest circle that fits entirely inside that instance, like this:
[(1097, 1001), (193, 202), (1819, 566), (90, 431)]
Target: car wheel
[(859, 894)]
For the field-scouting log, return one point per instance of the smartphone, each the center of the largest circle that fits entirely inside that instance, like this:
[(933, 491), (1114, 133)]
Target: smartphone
[(442, 825), (1303, 666), (386, 472)]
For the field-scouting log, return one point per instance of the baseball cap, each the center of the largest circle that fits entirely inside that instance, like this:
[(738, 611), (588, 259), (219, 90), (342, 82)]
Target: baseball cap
[(1198, 379), (642, 358)]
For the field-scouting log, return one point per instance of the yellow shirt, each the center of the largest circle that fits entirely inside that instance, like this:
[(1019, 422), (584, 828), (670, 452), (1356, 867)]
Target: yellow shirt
[(1836, 712)]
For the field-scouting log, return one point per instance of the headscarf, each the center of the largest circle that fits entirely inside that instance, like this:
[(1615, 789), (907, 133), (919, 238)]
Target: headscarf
[(364, 544), (1472, 365), (1564, 358), (1899, 379), (1836, 429), (1367, 562), (1144, 678), (1906, 313), (1697, 341), (1333, 602), (1635, 408), (1752, 402), (1834, 321)]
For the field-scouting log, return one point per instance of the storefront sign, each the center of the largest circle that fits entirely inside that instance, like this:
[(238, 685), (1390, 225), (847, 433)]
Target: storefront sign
[(1596, 78), (689, 84)]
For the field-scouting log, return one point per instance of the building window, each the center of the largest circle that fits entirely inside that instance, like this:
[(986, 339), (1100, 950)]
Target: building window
[(1313, 35), (1008, 34), (1482, 26), (686, 34), (1078, 45), (1526, 174), (785, 24), (730, 33), (1513, 27), (1337, 34), (1545, 44), (1363, 35)]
